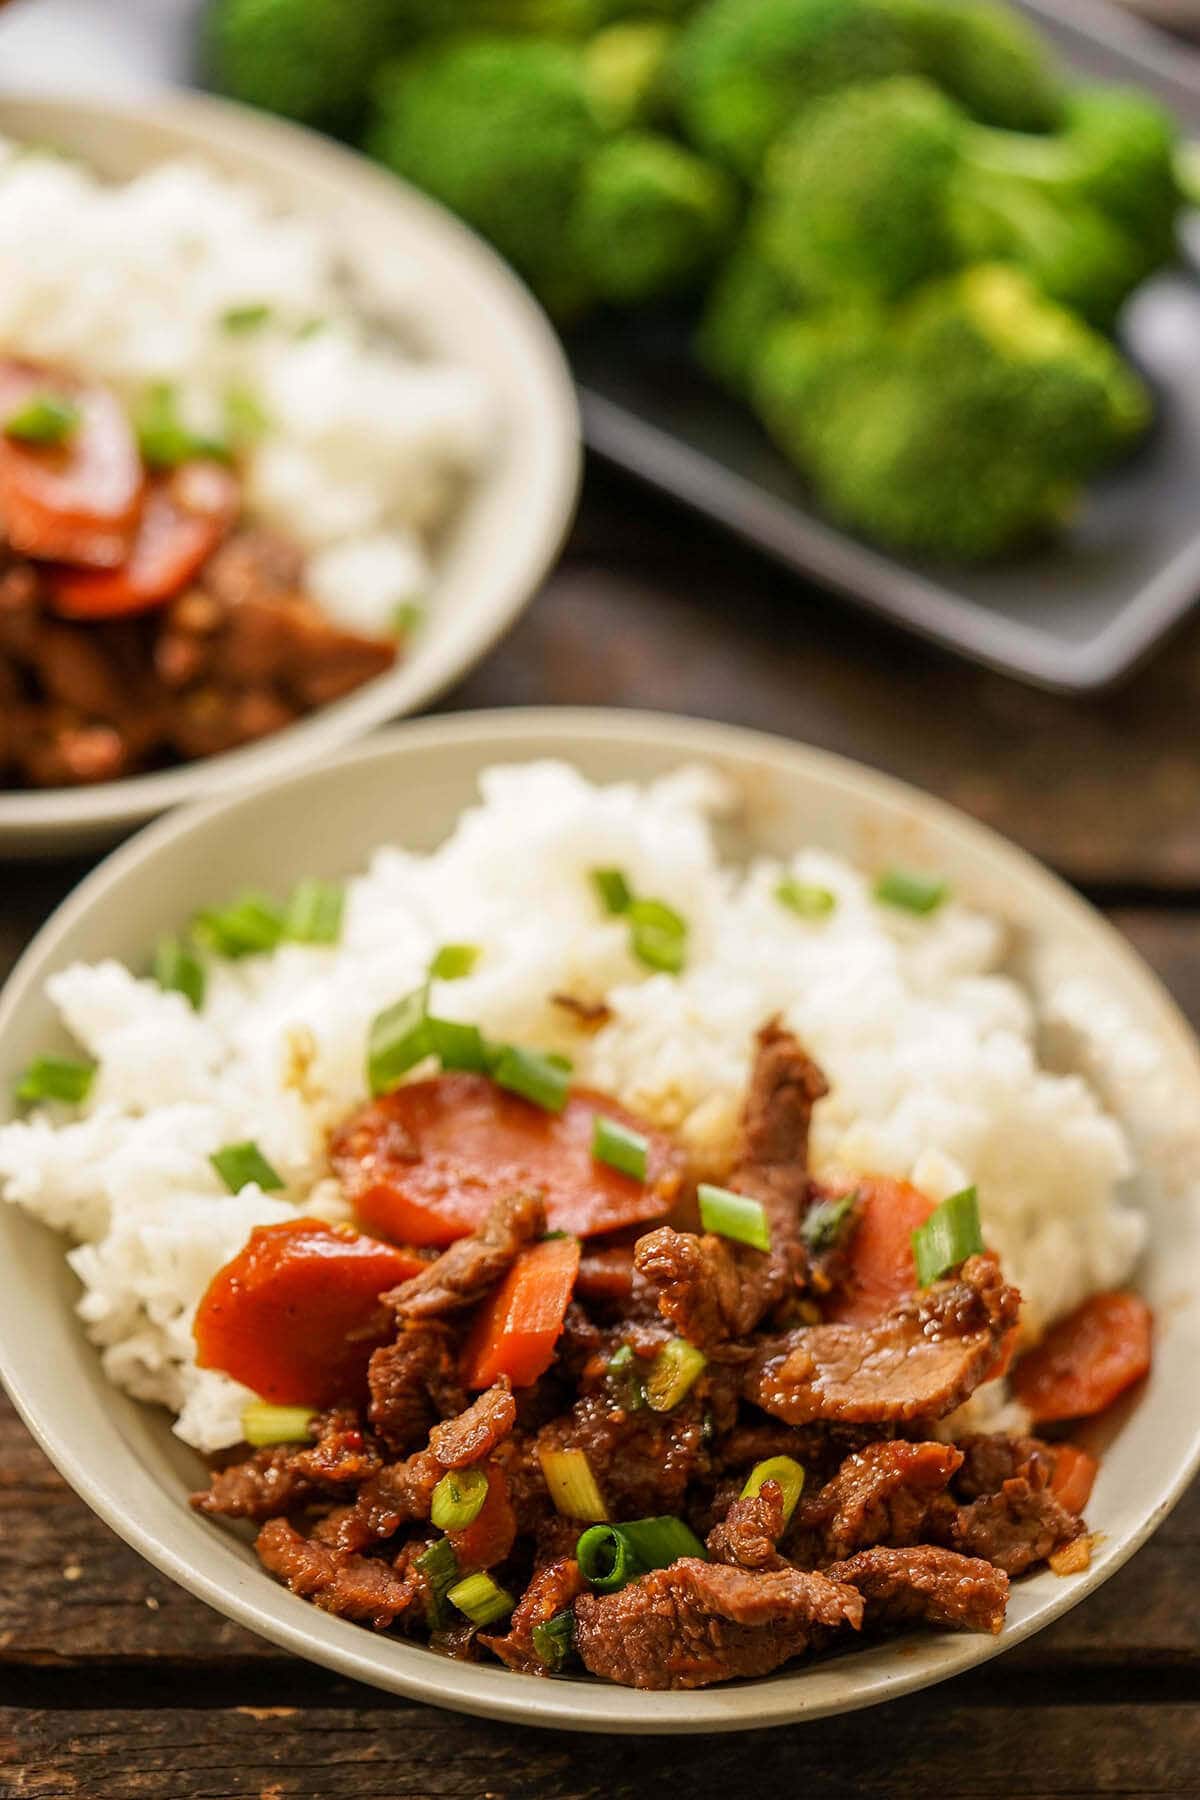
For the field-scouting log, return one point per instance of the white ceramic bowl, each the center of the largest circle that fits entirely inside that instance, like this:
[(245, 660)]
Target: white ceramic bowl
[(512, 522), (408, 787)]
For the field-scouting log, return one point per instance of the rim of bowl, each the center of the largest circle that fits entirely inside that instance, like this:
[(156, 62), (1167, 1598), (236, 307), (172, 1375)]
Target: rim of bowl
[(552, 430), (880, 1674)]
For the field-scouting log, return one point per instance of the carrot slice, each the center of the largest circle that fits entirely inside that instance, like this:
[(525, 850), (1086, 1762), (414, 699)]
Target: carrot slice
[(516, 1329), (491, 1534), (425, 1164), (1085, 1361), (185, 517), (879, 1258), (1073, 1478), (77, 502), (296, 1314)]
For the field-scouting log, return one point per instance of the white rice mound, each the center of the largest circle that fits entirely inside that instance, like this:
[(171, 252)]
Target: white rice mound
[(929, 1052), (367, 446)]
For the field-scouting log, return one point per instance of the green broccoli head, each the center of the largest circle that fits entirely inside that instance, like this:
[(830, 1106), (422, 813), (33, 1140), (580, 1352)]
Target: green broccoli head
[(650, 218), (985, 56), (856, 192), (747, 299), (310, 60), (743, 68), (960, 428), (500, 130), (1072, 251), (626, 66)]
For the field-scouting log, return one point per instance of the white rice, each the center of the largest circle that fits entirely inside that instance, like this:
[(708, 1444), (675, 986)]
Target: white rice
[(368, 446), (930, 1054)]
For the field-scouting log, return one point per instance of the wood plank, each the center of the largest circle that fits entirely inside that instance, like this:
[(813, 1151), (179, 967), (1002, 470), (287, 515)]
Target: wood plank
[(936, 1743)]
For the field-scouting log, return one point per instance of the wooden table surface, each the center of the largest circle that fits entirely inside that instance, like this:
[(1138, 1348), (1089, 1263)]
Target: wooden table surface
[(114, 1684)]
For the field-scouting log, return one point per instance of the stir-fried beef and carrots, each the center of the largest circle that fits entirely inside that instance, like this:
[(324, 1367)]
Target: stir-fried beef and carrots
[(142, 620), (588, 1435)]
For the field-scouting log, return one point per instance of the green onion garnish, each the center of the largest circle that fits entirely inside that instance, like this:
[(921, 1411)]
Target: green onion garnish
[(240, 1164), (554, 1640), (611, 1556), (266, 1424), (787, 1472), (399, 1038), (239, 319), (657, 1543), (619, 1147), (45, 419), (572, 1485), (458, 1498), (949, 1235), (805, 898), (454, 961), (56, 1078), (479, 1597), (406, 618), (459, 1046), (313, 914), (439, 1565), (537, 1078), (733, 1216), (658, 935), (673, 1371), (246, 418), (825, 1222), (623, 1372), (164, 439), (178, 970), (252, 924), (911, 891), (616, 895)]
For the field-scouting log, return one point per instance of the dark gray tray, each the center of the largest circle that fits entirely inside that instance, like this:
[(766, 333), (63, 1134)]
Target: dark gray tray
[(1073, 616)]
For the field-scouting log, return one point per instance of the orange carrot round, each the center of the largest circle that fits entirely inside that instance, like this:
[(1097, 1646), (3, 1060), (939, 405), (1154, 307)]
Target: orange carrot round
[(879, 1258), (1087, 1359), (516, 1329)]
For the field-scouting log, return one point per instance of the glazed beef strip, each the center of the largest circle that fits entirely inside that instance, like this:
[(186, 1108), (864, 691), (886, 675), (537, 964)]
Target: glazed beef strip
[(414, 1383), (464, 1273), (553, 1588), (927, 1586), (920, 1361), (747, 1536), (881, 1495), (284, 1476), (354, 1587), (710, 1289)]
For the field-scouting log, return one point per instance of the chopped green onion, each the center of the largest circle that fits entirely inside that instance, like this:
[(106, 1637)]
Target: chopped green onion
[(399, 1038), (949, 1235), (311, 328), (252, 924), (406, 618), (239, 319), (479, 1597), (454, 961), (246, 418), (572, 1485), (537, 1078), (673, 1371), (657, 1543), (605, 1558), (45, 419), (658, 936), (825, 1222), (805, 898), (458, 1498), (787, 1472), (911, 891), (616, 895), (164, 439), (554, 1640), (459, 1046), (619, 1147), (56, 1078), (624, 1373), (439, 1565), (733, 1216), (266, 1424), (240, 1164), (178, 970), (313, 914)]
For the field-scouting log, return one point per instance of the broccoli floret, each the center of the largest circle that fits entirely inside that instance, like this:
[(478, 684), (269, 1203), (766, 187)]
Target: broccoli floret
[(960, 428), (500, 130), (743, 68), (987, 58), (626, 67), (748, 298), (874, 189), (310, 60), (650, 218)]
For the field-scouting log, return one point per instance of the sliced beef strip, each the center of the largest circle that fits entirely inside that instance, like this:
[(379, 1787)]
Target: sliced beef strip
[(880, 1495), (462, 1274), (474, 1434), (400, 1494), (552, 1588), (920, 1361), (281, 1477), (413, 1383), (991, 1459), (710, 1289), (747, 1536), (642, 1460), (352, 1586), (926, 1585), (1015, 1528), (699, 1622)]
